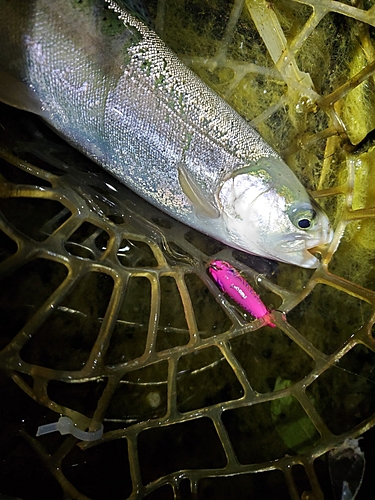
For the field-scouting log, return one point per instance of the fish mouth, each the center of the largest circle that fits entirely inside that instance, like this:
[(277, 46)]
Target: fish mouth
[(300, 257), (297, 243), (301, 251), (310, 261), (322, 245), (320, 249), (303, 242)]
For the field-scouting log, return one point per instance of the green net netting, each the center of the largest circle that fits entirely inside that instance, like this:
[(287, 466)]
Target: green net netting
[(108, 316)]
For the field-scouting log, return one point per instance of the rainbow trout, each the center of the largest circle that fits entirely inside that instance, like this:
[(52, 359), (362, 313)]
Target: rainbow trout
[(108, 84)]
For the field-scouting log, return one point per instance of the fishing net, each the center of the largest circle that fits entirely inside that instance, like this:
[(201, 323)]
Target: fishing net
[(108, 315)]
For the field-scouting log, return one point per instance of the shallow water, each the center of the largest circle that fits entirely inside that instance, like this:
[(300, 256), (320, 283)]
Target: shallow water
[(108, 314)]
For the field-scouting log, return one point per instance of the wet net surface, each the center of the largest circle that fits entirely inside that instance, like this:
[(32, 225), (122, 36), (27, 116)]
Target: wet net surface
[(108, 314)]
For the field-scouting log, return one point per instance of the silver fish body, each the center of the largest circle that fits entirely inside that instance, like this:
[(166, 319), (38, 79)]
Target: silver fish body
[(111, 87)]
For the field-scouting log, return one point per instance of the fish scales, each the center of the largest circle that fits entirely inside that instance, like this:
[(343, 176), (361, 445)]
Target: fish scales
[(109, 85)]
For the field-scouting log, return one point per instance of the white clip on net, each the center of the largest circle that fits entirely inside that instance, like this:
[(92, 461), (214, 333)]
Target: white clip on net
[(65, 425)]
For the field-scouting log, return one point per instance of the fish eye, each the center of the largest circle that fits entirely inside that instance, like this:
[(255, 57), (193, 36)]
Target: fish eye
[(304, 223), (303, 218)]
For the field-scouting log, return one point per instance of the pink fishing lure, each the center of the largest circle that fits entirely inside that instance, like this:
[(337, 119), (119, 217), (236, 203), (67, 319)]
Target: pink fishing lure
[(233, 284)]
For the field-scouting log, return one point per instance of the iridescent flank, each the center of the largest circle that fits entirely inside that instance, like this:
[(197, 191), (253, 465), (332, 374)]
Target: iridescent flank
[(110, 86)]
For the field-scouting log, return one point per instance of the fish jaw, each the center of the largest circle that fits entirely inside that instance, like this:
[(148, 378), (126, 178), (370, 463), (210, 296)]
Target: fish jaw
[(300, 247)]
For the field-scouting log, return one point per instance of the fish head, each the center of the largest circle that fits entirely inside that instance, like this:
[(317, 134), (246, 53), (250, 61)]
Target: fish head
[(268, 212)]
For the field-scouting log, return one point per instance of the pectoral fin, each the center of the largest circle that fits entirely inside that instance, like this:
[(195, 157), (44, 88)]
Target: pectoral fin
[(19, 94), (193, 191)]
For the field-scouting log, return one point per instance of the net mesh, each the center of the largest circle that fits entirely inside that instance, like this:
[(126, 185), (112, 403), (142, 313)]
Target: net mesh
[(109, 316)]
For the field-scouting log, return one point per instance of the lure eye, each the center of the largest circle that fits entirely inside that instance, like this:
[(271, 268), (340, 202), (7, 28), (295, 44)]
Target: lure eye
[(217, 265), (303, 218)]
